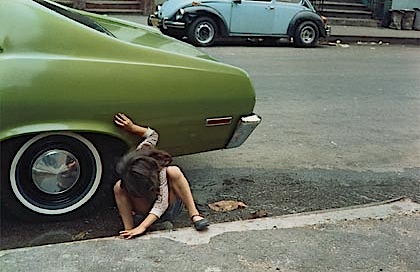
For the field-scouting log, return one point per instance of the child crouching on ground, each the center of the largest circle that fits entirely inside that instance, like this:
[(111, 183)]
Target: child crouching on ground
[(149, 185)]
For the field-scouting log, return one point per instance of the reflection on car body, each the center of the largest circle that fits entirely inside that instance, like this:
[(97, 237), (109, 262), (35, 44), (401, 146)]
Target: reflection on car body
[(65, 73)]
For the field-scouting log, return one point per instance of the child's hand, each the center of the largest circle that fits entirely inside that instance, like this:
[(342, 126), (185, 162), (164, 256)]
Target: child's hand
[(124, 122), (128, 234)]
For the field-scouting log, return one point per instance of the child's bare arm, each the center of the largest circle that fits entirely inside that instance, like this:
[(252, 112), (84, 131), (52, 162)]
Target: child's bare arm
[(140, 229)]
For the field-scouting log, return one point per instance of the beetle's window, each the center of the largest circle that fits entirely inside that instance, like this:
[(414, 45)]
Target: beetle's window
[(289, 1), (75, 16), (261, 0)]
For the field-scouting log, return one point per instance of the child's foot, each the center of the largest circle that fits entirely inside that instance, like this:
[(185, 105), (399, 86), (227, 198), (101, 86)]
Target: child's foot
[(200, 223)]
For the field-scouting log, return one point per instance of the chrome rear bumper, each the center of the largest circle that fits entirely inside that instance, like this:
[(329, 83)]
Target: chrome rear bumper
[(244, 128), (153, 20), (328, 30)]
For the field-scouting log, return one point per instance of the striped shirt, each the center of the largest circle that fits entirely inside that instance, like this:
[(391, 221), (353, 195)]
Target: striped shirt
[(162, 202)]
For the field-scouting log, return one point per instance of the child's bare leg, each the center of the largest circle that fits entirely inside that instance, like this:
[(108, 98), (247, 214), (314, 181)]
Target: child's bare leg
[(181, 188), (124, 206)]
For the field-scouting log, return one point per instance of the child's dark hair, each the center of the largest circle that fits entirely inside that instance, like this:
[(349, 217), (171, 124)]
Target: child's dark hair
[(139, 171)]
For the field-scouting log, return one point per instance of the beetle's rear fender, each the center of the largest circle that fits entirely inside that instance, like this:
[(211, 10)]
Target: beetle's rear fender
[(192, 12), (306, 16)]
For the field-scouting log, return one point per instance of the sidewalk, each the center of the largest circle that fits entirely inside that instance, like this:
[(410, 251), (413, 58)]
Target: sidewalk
[(380, 237), (346, 34), (355, 34)]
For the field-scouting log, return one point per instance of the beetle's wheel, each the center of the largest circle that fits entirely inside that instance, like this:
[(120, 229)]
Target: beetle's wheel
[(306, 35), (202, 32)]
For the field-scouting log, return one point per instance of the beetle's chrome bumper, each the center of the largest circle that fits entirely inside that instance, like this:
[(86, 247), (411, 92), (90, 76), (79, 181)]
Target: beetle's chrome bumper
[(153, 20), (328, 30), (244, 128)]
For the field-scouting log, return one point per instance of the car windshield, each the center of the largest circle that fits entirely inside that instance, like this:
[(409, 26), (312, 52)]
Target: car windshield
[(75, 17)]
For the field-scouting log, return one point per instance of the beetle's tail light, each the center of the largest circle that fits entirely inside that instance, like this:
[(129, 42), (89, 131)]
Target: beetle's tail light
[(194, 3), (324, 20)]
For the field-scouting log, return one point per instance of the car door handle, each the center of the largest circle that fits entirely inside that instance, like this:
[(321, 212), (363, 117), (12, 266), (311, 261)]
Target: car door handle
[(270, 7)]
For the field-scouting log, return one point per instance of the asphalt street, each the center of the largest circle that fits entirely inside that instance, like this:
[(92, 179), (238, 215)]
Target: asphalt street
[(350, 108)]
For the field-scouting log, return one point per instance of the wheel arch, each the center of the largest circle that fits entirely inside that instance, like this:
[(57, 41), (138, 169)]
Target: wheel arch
[(106, 129), (195, 12), (305, 16)]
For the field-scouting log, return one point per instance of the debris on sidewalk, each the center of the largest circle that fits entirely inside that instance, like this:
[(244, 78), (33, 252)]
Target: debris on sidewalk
[(258, 214), (372, 43), (338, 43), (227, 205), (80, 236)]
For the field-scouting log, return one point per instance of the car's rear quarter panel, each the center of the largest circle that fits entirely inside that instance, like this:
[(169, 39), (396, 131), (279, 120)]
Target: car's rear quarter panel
[(58, 75)]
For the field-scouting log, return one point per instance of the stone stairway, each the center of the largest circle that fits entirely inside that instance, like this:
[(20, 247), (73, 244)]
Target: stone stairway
[(348, 12)]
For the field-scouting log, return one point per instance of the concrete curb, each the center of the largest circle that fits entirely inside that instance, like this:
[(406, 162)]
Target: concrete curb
[(374, 39), (375, 211), (189, 236), (376, 237)]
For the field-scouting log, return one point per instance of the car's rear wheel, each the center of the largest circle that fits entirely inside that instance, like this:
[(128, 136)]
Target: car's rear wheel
[(306, 35), (51, 175), (202, 32)]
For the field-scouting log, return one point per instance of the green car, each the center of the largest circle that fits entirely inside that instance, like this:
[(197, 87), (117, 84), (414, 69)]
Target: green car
[(65, 73)]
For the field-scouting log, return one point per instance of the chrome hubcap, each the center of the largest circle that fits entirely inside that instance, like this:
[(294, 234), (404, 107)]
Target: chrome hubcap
[(307, 34), (204, 32), (55, 171)]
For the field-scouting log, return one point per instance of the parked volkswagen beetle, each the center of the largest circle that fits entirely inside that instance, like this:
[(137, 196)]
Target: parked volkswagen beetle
[(203, 21), (64, 74)]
